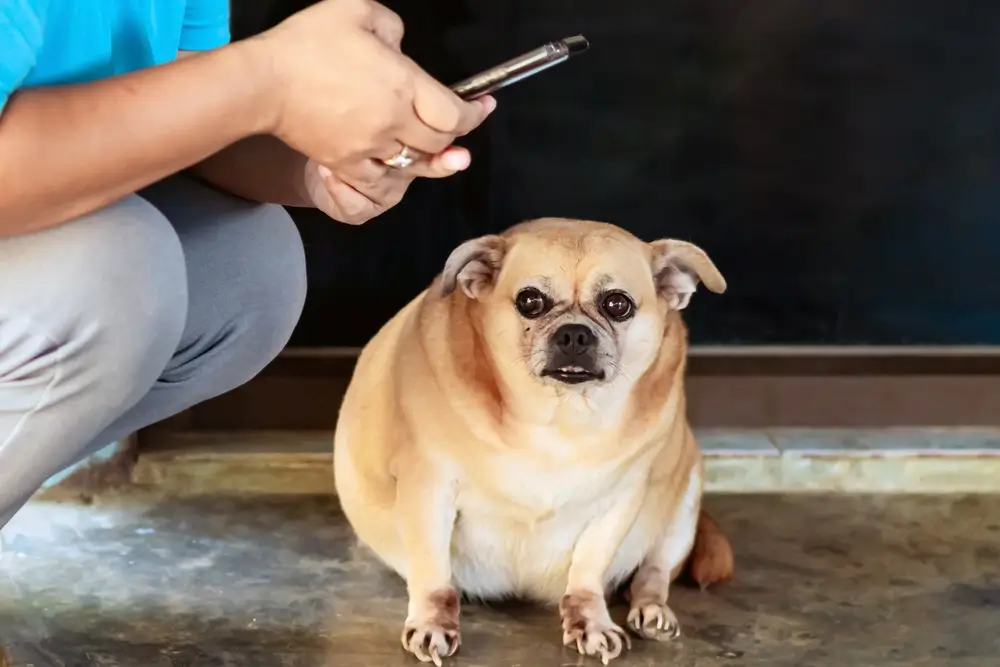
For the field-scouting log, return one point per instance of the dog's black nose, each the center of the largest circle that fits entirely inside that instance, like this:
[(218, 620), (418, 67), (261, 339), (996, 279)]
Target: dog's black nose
[(574, 339)]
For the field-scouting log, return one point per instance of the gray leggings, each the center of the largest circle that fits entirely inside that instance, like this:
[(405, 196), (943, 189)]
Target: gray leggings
[(133, 314)]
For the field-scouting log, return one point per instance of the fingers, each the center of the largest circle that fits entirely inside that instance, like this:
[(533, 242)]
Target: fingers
[(420, 138), (386, 24), (380, 182), (420, 135), (441, 109), (383, 186), (341, 201), (434, 103), (446, 163), (365, 189)]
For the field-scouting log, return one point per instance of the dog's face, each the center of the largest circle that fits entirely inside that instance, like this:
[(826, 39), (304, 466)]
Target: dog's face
[(574, 303)]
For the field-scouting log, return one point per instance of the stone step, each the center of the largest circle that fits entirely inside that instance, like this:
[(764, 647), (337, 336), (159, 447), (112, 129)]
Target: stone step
[(951, 460)]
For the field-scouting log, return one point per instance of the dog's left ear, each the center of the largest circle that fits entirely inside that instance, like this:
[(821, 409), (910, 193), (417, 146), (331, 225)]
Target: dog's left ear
[(678, 267), (474, 266)]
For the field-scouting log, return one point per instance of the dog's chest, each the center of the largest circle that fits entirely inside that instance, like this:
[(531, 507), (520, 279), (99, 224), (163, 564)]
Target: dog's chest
[(533, 491), (516, 533)]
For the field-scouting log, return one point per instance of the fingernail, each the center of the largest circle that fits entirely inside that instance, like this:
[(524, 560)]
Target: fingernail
[(490, 103), (456, 160), (324, 172)]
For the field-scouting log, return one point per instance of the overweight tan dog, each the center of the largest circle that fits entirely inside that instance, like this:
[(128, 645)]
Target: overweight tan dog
[(519, 429)]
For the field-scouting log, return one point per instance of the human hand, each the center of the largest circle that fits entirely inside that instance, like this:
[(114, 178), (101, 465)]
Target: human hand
[(358, 192), (342, 93)]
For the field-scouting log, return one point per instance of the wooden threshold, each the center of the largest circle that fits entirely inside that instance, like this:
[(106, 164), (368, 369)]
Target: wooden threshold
[(728, 387)]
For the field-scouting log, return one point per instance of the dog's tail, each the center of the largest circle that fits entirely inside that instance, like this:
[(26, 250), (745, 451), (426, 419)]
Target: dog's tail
[(711, 559)]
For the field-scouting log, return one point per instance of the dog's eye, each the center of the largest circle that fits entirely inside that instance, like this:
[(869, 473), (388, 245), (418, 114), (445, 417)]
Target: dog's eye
[(531, 303), (617, 306)]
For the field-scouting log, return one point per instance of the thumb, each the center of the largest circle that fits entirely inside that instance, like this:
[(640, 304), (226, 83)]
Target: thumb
[(446, 163), (440, 108)]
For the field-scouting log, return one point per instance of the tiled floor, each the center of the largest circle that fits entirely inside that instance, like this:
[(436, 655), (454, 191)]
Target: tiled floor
[(872, 461), (857, 442), (822, 581), (900, 460)]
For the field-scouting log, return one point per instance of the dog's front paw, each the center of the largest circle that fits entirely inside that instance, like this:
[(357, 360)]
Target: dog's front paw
[(587, 626), (653, 621), (432, 632), (431, 641)]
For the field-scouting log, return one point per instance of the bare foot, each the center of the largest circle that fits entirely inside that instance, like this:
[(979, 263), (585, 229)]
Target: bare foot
[(432, 633), (588, 626)]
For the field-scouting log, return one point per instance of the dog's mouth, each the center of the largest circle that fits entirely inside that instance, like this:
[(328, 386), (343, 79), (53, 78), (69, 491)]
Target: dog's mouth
[(572, 374)]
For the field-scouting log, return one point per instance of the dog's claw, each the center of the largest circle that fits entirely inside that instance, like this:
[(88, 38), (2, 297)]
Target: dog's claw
[(587, 626), (606, 643), (430, 643), (654, 621)]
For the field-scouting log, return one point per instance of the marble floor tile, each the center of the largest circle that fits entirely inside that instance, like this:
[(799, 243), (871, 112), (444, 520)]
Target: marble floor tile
[(714, 442), (819, 441)]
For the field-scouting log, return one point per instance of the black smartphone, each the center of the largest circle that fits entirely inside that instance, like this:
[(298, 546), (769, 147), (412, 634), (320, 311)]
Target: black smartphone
[(522, 67)]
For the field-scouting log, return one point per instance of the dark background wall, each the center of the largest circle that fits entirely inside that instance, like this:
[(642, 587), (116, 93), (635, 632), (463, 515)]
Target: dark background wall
[(839, 160)]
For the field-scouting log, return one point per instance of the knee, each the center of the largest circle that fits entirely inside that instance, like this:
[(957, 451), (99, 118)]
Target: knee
[(277, 292), (103, 305), (137, 301), (245, 305), (273, 290)]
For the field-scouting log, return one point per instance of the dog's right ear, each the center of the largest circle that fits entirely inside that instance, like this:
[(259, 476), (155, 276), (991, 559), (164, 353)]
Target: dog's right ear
[(473, 266)]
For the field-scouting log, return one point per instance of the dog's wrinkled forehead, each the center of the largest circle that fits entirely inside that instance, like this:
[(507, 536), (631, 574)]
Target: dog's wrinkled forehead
[(575, 256), (575, 266)]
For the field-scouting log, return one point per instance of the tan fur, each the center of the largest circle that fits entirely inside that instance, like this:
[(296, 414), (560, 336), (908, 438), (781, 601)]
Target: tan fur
[(463, 470)]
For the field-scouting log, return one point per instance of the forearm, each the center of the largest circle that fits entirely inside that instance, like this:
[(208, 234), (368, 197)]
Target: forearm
[(66, 151), (261, 168)]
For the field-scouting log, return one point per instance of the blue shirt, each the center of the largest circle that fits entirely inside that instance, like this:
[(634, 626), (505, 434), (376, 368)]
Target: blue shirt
[(46, 42)]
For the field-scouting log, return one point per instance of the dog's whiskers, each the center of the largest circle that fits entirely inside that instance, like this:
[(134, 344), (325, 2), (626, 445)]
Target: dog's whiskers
[(619, 370)]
